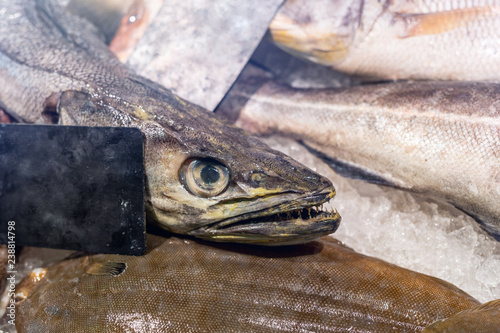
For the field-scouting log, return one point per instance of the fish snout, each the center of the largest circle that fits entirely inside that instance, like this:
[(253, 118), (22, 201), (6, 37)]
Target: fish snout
[(310, 182), (319, 182)]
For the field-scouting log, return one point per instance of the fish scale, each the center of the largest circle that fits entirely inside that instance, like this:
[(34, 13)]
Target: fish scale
[(55, 65), (441, 139), (322, 286), (438, 39)]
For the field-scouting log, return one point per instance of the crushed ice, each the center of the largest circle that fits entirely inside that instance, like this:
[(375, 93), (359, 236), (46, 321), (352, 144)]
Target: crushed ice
[(410, 230)]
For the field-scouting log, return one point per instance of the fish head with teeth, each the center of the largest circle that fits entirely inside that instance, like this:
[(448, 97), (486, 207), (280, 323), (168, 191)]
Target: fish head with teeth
[(211, 180)]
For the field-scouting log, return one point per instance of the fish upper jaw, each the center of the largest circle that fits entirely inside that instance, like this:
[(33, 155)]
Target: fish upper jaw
[(283, 223)]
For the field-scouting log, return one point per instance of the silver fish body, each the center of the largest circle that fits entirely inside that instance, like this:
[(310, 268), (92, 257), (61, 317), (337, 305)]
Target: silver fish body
[(437, 138), (405, 39)]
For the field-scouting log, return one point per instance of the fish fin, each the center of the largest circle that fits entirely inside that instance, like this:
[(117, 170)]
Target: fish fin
[(481, 318), (76, 255), (297, 39), (440, 22), (350, 170), (50, 110), (489, 306), (111, 268)]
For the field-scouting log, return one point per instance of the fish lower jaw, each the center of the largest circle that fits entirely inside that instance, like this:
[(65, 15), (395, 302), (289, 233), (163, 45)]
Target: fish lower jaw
[(285, 228), (286, 232)]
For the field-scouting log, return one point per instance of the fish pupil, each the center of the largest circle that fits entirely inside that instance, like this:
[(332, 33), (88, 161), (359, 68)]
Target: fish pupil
[(210, 174)]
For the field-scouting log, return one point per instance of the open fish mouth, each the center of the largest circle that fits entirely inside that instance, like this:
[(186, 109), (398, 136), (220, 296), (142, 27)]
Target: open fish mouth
[(292, 222)]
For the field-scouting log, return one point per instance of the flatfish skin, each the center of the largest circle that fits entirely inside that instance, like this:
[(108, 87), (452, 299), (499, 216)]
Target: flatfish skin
[(187, 286)]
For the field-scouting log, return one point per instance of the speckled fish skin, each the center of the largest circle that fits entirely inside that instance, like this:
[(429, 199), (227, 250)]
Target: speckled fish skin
[(436, 138), (45, 52), (404, 39), (178, 286)]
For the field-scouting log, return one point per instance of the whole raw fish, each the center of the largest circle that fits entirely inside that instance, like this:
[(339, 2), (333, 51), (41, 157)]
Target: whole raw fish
[(204, 178), (404, 39), (437, 138), (185, 286)]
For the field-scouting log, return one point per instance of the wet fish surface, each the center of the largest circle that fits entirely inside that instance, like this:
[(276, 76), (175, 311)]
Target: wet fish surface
[(484, 318), (405, 39), (320, 286), (436, 138), (204, 178)]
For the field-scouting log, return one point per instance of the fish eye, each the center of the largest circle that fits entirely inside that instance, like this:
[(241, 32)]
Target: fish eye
[(205, 177)]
